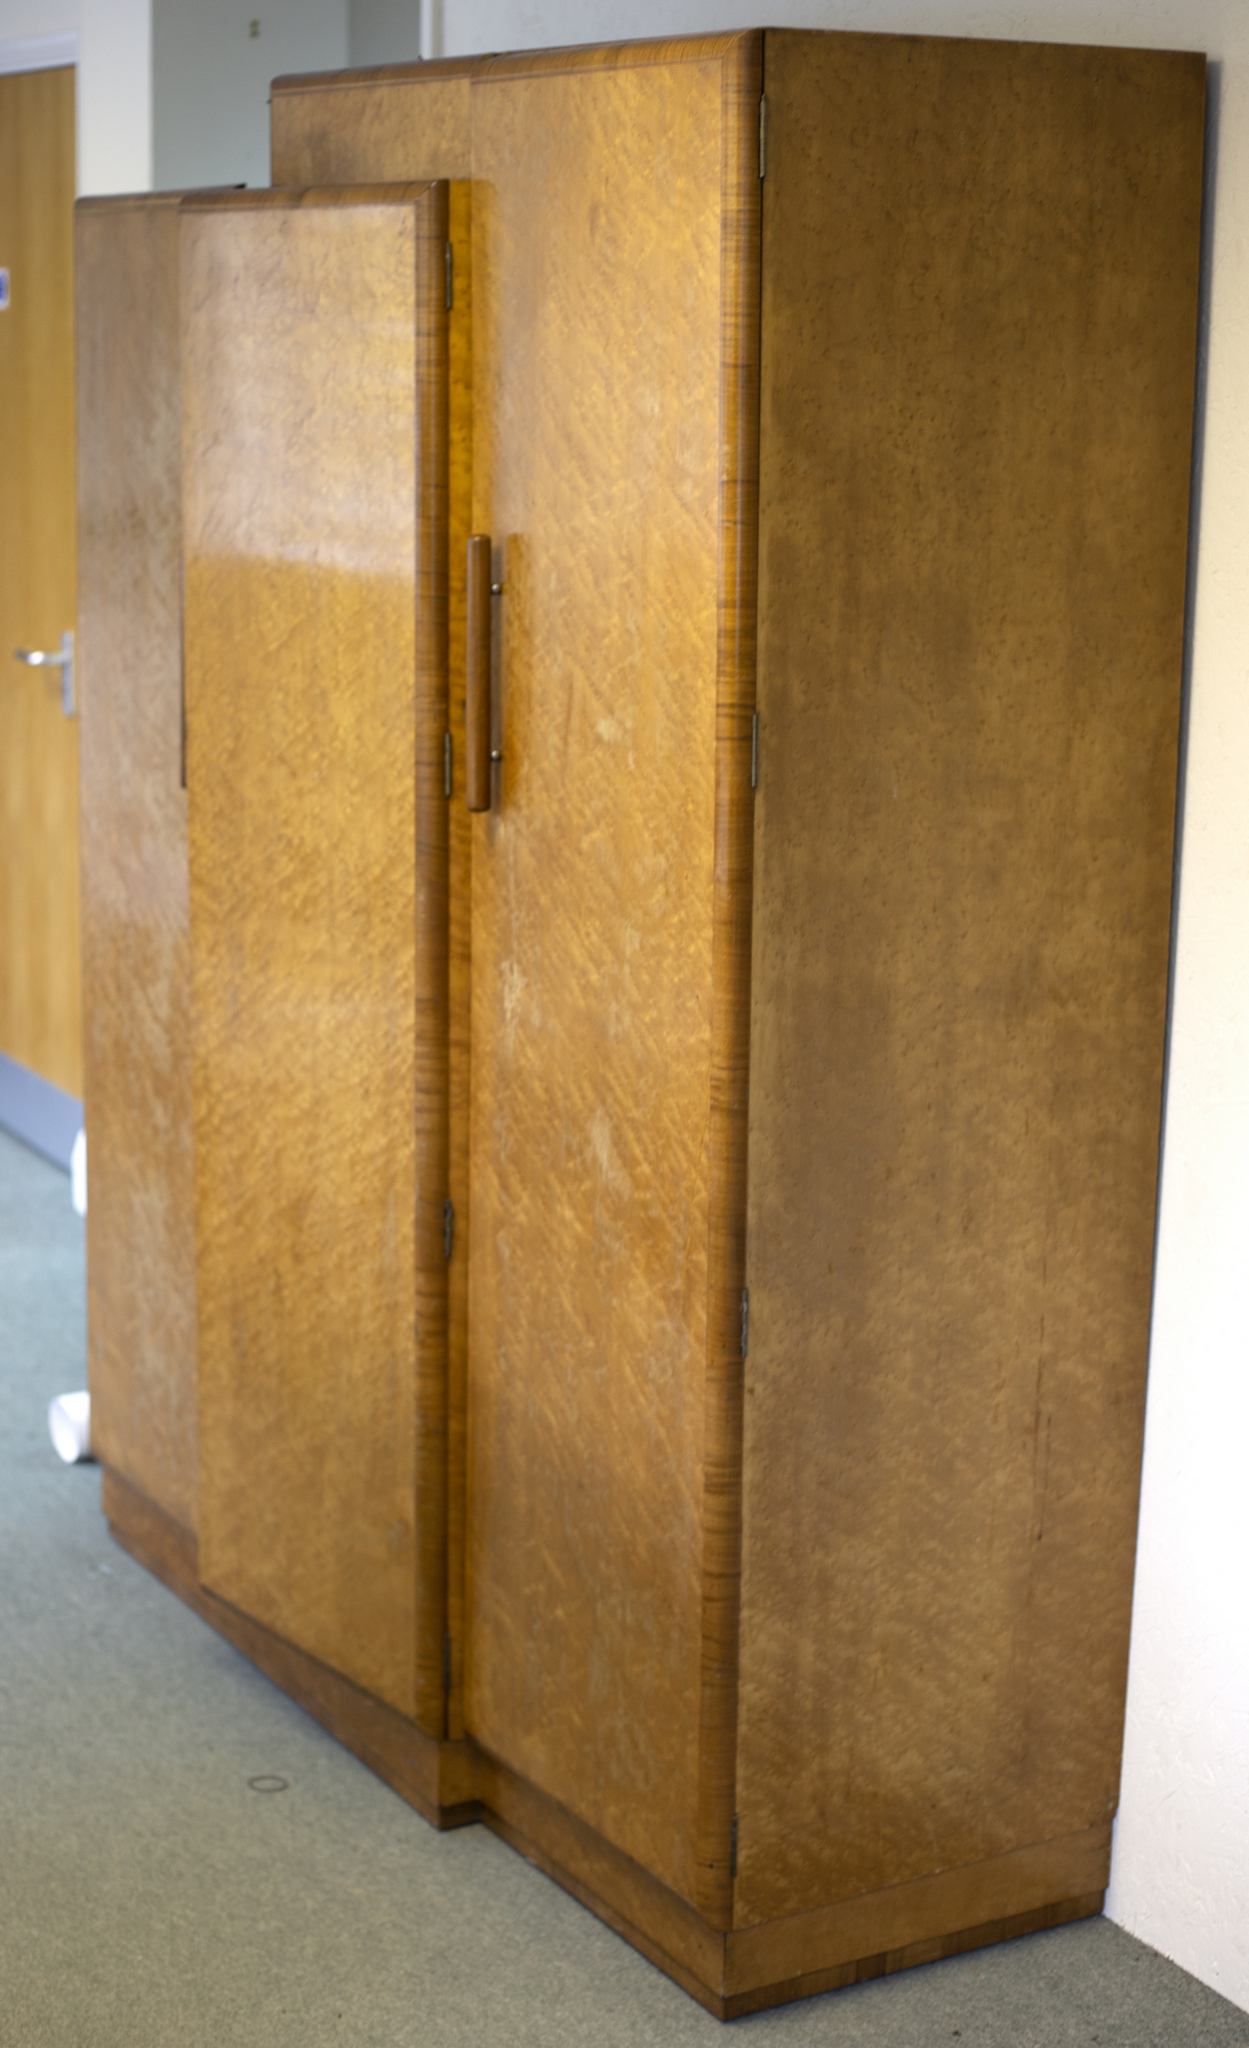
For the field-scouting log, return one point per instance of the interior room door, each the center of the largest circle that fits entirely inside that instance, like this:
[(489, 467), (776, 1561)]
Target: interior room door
[(314, 394), (40, 990)]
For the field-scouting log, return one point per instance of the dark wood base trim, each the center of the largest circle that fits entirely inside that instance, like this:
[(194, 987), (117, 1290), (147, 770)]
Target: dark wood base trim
[(749, 1970), (703, 1993), (761, 1998), (438, 1778), (665, 1927), (901, 1919), (765, 1996)]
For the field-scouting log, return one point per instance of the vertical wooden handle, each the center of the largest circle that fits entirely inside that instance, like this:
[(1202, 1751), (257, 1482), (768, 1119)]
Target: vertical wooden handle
[(477, 678)]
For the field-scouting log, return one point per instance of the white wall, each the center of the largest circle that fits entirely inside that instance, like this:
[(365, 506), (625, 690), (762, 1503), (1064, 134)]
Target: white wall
[(175, 93), (387, 31), (113, 87), (1180, 1876), (211, 81)]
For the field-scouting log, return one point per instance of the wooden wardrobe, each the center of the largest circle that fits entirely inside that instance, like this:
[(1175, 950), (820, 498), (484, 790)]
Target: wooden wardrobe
[(673, 1248)]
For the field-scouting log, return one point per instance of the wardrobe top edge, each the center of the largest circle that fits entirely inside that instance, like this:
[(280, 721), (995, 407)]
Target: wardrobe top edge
[(654, 50), (514, 63), (139, 202), (257, 198), (277, 198)]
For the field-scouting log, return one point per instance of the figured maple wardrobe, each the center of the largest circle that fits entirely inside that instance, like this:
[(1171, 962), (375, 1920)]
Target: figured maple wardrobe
[(779, 1211), (831, 402)]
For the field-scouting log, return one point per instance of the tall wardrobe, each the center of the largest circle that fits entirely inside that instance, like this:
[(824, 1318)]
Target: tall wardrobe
[(632, 628)]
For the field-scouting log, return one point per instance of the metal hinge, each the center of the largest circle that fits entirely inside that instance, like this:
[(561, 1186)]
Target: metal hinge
[(448, 1228), (754, 751), (733, 1849), (446, 1662), (745, 1319), (446, 765), (449, 267), (763, 136)]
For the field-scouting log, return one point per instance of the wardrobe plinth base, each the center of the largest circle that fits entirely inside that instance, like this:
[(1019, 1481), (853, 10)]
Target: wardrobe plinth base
[(749, 1969), (746, 1969)]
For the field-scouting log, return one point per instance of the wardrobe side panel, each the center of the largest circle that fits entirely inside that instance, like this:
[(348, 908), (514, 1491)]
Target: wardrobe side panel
[(596, 361), (314, 755), (371, 128), (136, 950), (979, 314)]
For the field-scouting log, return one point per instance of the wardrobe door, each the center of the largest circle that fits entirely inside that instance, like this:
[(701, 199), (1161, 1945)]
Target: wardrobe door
[(136, 947), (597, 356), (314, 363)]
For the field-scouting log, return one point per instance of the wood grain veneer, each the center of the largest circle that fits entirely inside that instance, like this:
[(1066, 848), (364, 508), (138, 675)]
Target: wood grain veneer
[(390, 123), (598, 229), (40, 948), (979, 318), (135, 931), (315, 515)]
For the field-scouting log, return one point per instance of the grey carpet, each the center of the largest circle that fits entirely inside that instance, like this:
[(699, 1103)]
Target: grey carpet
[(150, 1899)]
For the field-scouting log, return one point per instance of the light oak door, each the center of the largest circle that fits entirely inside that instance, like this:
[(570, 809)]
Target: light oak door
[(40, 981), (314, 395)]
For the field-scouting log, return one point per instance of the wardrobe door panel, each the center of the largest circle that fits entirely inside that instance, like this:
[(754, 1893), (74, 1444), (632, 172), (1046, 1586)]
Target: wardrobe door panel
[(314, 396), (597, 236)]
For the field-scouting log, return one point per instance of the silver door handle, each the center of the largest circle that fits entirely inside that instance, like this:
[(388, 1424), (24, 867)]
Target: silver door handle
[(37, 658)]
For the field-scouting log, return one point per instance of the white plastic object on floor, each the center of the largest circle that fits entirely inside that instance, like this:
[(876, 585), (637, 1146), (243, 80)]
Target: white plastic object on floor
[(78, 1174), (69, 1424)]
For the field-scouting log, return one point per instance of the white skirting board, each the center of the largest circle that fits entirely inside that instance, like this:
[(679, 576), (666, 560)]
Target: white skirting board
[(42, 1115)]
